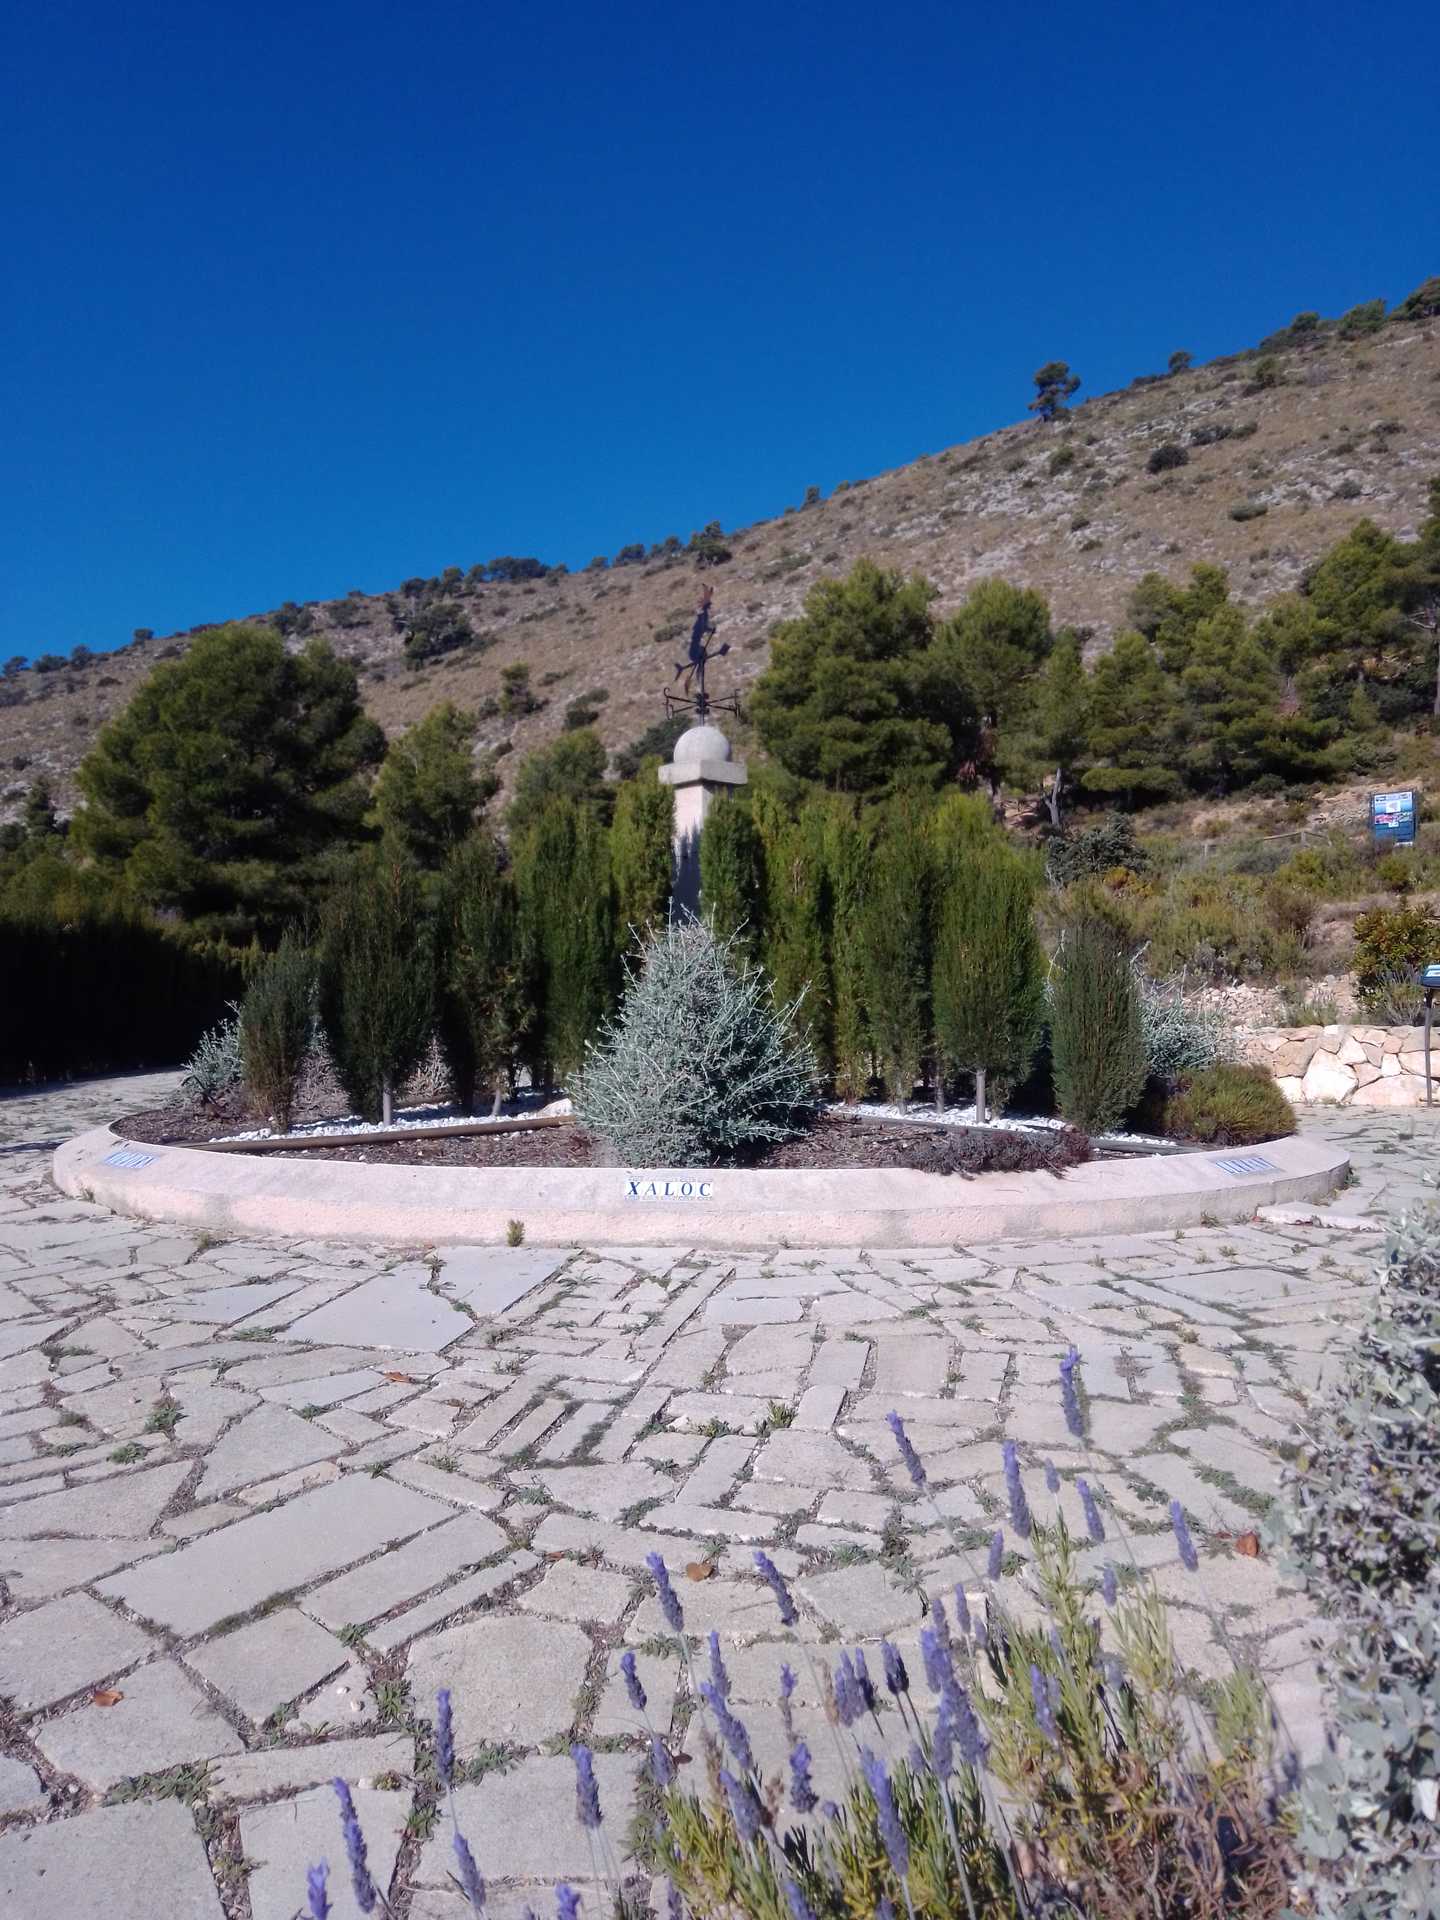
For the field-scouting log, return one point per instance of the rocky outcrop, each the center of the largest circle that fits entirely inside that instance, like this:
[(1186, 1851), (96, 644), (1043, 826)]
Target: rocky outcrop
[(1344, 1066)]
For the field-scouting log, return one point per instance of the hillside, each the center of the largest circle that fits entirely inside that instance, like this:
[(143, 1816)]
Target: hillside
[(1351, 430)]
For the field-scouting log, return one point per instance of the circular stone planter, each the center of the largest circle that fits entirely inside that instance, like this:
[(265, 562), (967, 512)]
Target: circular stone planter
[(727, 1207)]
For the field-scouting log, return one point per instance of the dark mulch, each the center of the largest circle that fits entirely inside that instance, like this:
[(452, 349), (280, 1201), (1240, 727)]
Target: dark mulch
[(833, 1142)]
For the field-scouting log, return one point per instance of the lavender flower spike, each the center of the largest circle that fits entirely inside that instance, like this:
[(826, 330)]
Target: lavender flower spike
[(1189, 1559), (366, 1892), (863, 1681), (962, 1608), (662, 1767), (674, 1906), (968, 1737), (470, 1883), (444, 1739), (719, 1678), (317, 1899), (587, 1790), (632, 1682), (997, 1554), (896, 1678), (914, 1465), (775, 1580), (887, 1814), (1092, 1511), (1052, 1478), (802, 1790), (732, 1730), (1019, 1507), (1069, 1394), (1044, 1711), (743, 1805), (796, 1901), (669, 1601), (1109, 1585), (567, 1903)]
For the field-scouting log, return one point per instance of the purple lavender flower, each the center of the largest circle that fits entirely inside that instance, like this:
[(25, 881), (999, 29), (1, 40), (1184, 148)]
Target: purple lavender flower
[(587, 1791), (832, 1812), (662, 1767), (887, 1814), (1044, 1711), (982, 1633), (732, 1731), (941, 1624), (788, 1683), (444, 1739), (674, 1906), (1052, 1478), (962, 1608), (669, 1600), (1109, 1585), (1019, 1507), (366, 1892), (1114, 1669), (567, 1903), (1092, 1511), (802, 1790), (775, 1580), (997, 1553), (796, 1901), (1189, 1559), (914, 1465), (896, 1678), (468, 1878), (317, 1899), (632, 1682), (942, 1744), (719, 1678), (1070, 1396), (885, 1911), (936, 1658), (968, 1737), (864, 1683), (847, 1692), (743, 1805)]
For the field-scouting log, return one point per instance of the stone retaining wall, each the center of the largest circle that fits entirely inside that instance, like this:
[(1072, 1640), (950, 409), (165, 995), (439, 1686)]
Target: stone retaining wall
[(1344, 1066)]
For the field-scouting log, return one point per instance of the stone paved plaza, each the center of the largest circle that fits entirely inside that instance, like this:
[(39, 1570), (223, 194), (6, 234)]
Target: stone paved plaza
[(259, 1500)]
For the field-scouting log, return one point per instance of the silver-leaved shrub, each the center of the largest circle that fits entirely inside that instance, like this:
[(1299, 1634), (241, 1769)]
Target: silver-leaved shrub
[(701, 1063), (1360, 1522), (1180, 1036), (214, 1067)]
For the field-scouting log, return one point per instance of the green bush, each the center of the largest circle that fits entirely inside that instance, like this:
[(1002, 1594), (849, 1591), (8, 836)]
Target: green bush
[(1359, 1521), (376, 981), (1096, 1038), (1180, 1038), (1169, 454), (275, 1024), (1229, 1105), (214, 1067), (700, 1064), (1109, 843), (1390, 944), (480, 1002)]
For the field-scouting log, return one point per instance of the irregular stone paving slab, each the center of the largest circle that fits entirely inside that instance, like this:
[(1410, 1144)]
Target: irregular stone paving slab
[(576, 1593), (36, 1569), (123, 1504), (161, 1720), (517, 1680), (253, 1776), (114, 1863), (268, 1441), (406, 1572), (233, 1570), (524, 1822), (21, 1789), (53, 1651), (451, 1599), (487, 1280), (269, 1663), (395, 1310), (287, 1839)]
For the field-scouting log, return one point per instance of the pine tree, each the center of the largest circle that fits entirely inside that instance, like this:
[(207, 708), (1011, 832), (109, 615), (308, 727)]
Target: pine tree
[(376, 980), (892, 942), (567, 931), (430, 788), (1046, 753), (988, 969), (1054, 385), (481, 1007), (731, 874), (1133, 723), (994, 645), (1097, 1039), (641, 833)]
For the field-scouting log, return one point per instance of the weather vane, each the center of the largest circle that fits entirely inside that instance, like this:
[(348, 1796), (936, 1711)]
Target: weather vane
[(691, 670)]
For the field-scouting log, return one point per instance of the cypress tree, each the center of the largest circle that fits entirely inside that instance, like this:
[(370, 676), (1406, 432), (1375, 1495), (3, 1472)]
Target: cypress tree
[(567, 932), (1096, 1037), (480, 1001), (848, 856), (732, 875), (796, 949), (894, 940), (987, 971), (275, 1029), (640, 853), (376, 984)]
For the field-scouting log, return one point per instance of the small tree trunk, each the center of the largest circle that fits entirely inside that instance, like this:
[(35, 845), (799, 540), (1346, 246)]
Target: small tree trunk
[(495, 1105), (1052, 799), (939, 1084), (386, 1103), (980, 1094)]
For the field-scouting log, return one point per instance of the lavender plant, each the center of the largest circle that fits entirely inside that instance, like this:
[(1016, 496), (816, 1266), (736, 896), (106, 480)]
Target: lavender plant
[(215, 1066), (701, 1063)]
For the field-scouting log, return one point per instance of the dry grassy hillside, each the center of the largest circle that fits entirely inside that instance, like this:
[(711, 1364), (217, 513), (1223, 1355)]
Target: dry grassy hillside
[(1069, 507)]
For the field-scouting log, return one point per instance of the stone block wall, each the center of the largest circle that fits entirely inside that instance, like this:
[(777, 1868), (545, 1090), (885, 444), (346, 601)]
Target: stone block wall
[(1345, 1066)]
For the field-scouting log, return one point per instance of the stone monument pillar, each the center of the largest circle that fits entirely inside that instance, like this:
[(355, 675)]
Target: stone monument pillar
[(700, 772)]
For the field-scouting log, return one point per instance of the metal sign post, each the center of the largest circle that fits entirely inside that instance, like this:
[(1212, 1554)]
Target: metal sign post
[(1429, 980)]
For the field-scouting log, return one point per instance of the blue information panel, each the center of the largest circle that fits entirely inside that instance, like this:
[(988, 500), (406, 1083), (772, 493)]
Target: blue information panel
[(1392, 817)]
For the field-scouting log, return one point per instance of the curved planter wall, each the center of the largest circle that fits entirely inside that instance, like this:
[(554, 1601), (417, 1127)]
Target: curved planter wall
[(239, 1193), (1345, 1066)]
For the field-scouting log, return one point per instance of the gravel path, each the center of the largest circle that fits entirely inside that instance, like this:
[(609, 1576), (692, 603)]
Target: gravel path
[(259, 1499)]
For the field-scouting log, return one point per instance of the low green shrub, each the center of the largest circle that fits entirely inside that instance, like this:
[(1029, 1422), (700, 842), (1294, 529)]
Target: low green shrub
[(1180, 1037), (700, 1063), (214, 1067), (276, 1017), (1391, 945), (1229, 1105), (1109, 843)]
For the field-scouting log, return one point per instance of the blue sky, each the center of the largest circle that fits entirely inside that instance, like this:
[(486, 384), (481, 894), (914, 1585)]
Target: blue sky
[(312, 296)]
